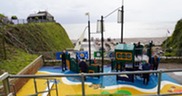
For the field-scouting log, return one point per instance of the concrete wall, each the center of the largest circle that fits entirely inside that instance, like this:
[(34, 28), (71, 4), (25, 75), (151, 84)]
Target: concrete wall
[(32, 68)]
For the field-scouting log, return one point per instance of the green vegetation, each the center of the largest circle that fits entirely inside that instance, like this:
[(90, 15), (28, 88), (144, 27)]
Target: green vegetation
[(25, 41), (16, 60), (39, 37), (174, 43), (1, 15), (14, 17)]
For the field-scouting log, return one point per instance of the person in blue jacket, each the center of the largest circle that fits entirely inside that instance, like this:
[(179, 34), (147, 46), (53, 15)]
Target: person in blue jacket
[(155, 62), (146, 76)]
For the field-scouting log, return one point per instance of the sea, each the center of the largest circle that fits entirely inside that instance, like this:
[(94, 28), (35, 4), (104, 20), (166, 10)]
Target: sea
[(130, 30)]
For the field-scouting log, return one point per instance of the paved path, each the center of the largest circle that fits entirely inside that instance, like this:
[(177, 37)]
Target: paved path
[(177, 75)]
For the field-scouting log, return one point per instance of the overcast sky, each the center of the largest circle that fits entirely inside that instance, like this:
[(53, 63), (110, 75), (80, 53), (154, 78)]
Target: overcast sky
[(73, 11)]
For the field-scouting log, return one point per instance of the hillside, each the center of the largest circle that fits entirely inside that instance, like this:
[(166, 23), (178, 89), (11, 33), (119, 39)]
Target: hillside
[(174, 43), (38, 37), (24, 41)]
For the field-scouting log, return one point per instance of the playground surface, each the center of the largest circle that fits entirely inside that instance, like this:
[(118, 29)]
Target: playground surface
[(71, 86)]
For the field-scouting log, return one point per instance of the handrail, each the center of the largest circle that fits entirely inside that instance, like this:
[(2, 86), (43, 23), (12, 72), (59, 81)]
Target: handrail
[(95, 74), (82, 75), (4, 76)]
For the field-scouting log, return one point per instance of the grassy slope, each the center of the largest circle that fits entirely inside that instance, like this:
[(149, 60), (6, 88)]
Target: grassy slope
[(58, 36), (175, 40), (38, 37), (17, 59), (34, 37)]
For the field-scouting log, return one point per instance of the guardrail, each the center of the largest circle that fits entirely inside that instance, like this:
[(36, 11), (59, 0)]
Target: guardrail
[(7, 76), (171, 57), (32, 68)]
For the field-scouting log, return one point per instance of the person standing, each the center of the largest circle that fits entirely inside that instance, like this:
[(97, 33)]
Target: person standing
[(155, 62), (146, 76), (136, 50), (64, 61), (140, 49)]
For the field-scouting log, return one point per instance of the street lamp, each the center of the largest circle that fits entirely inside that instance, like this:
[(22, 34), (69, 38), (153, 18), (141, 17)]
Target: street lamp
[(100, 28), (89, 36), (122, 19)]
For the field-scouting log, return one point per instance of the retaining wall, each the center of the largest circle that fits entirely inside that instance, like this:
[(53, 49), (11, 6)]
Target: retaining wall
[(32, 68)]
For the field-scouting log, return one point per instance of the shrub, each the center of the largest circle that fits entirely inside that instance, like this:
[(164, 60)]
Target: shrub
[(14, 18)]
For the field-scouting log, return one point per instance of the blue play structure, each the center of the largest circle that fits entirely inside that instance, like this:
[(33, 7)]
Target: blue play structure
[(82, 55), (74, 63), (123, 58)]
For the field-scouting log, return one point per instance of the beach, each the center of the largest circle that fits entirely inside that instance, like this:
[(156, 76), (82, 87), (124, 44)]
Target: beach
[(156, 40)]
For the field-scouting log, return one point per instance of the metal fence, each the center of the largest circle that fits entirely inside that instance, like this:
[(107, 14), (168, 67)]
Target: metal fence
[(25, 21), (5, 77), (19, 21)]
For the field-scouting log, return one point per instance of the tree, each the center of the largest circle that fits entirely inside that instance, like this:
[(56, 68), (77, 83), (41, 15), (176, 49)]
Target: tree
[(14, 17)]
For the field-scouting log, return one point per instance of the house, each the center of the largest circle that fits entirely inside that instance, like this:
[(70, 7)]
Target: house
[(41, 16)]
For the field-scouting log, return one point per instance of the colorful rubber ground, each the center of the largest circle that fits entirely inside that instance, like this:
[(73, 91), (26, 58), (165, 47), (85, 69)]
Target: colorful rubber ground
[(71, 86)]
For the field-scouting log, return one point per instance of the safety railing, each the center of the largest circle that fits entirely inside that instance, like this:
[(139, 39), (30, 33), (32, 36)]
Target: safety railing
[(7, 76), (48, 89)]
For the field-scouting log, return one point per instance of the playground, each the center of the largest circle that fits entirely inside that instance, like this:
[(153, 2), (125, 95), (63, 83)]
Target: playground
[(71, 86), (115, 84)]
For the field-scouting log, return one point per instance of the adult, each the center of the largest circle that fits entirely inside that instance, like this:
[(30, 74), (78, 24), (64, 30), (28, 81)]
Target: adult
[(140, 49), (146, 76), (149, 51), (155, 62), (64, 61), (136, 50)]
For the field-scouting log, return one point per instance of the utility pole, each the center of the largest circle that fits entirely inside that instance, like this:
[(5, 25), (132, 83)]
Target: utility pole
[(102, 42), (89, 46), (122, 20), (89, 41)]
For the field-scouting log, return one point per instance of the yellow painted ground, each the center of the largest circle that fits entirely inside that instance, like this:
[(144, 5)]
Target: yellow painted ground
[(65, 90)]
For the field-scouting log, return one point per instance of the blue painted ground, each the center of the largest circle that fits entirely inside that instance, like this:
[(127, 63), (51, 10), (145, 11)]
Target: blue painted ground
[(111, 80)]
